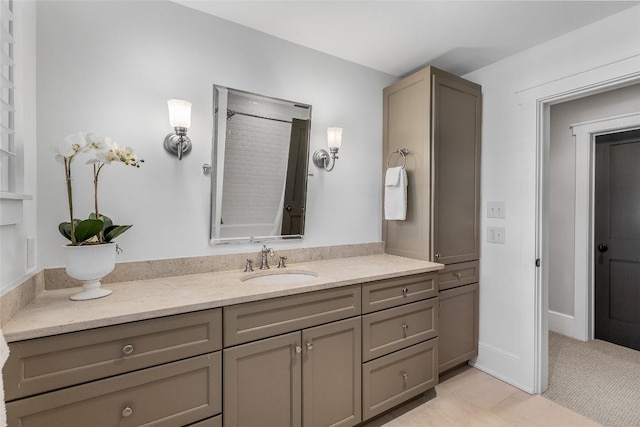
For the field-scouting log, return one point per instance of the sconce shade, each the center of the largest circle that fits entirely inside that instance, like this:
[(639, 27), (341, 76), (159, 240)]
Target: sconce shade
[(334, 137), (179, 113)]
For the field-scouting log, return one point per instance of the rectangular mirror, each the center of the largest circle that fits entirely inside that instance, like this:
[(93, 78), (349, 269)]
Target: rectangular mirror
[(259, 167)]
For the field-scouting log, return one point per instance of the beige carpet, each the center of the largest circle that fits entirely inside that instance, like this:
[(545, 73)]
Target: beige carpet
[(597, 379)]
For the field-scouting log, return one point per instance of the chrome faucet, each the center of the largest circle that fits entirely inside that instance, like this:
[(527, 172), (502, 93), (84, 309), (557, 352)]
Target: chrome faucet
[(264, 264)]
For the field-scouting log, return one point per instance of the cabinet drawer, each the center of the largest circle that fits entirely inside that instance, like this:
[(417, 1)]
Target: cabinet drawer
[(45, 364), (176, 393), (393, 292), (261, 319), (392, 379), (396, 328), (454, 275)]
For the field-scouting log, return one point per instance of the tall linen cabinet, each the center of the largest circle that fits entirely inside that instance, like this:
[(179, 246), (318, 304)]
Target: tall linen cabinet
[(436, 117)]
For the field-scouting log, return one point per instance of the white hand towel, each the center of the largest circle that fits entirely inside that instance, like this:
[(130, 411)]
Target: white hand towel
[(4, 355), (395, 194)]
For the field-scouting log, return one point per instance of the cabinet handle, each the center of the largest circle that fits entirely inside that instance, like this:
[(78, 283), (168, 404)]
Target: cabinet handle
[(309, 345), (298, 349), (127, 412), (127, 349), (458, 275), (405, 291)]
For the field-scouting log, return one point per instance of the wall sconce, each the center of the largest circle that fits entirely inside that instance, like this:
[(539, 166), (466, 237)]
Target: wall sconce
[(178, 143), (334, 141)]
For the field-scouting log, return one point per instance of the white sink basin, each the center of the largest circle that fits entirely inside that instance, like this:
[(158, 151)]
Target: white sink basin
[(280, 277)]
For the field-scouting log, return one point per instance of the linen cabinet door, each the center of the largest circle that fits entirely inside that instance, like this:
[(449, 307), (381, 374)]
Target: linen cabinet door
[(331, 374), (262, 383), (457, 114), (458, 335)]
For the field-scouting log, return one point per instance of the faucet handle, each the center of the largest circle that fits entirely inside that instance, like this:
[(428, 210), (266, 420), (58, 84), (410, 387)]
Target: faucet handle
[(266, 250), (249, 266), (281, 262)]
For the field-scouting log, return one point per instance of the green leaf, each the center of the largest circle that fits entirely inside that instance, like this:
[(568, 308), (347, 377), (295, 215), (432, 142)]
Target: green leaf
[(107, 221), (114, 231), (87, 229), (65, 229)]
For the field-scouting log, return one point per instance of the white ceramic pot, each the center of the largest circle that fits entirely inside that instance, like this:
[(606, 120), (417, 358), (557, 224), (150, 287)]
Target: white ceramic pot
[(89, 264)]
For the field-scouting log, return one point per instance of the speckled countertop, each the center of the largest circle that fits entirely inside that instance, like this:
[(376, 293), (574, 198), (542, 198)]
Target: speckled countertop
[(53, 313)]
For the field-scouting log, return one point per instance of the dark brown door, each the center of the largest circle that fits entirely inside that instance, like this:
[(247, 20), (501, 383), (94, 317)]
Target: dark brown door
[(296, 184), (617, 238)]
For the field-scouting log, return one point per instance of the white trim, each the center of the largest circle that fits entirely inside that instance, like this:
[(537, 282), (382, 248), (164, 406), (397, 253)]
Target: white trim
[(616, 74), (563, 324), (585, 134), (4, 195)]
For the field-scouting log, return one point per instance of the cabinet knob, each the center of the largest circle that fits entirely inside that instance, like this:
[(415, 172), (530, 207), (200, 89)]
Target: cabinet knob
[(437, 256), (298, 349), (309, 345), (127, 349), (127, 412), (405, 376), (458, 275), (405, 291)]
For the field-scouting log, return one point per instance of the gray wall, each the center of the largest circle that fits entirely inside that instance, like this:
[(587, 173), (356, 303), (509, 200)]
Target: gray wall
[(109, 67), (562, 184)]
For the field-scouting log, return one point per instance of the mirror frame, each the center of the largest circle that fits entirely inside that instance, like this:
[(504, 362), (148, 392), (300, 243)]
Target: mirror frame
[(214, 209)]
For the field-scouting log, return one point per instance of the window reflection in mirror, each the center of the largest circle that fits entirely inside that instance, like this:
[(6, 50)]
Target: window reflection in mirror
[(259, 176)]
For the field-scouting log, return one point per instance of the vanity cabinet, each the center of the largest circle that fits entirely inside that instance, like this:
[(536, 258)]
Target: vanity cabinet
[(165, 371), (437, 117), (459, 300), (399, 341), (307, 376)]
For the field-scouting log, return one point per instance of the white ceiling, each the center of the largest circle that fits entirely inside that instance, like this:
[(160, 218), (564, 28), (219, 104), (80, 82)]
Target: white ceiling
[(398, 37)]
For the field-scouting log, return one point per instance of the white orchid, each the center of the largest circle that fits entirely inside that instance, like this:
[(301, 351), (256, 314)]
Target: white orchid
[(104, 151), (70, 146)]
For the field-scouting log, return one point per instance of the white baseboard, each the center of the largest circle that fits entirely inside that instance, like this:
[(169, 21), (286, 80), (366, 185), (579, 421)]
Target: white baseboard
[(565, 324), (501, 364)]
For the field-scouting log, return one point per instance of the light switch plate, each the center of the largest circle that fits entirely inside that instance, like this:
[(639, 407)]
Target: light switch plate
[(496, 210), (495, 234)]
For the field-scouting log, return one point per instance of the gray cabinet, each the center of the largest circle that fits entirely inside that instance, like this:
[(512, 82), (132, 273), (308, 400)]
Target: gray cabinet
[(165, 372), (458, 336), (399, 341), (436, 116), (309, 378), (458, 314)]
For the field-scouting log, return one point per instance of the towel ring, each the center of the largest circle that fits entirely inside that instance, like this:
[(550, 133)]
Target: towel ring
[(403, 152)]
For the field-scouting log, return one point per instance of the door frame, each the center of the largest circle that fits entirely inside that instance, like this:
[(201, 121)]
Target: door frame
[(582, 324), (542, 97)]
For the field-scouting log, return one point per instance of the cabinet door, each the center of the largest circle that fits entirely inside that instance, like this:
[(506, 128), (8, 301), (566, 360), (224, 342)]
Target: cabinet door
[(262, 383), (458, 335), (331, 374), (457, 114), (406, 125)]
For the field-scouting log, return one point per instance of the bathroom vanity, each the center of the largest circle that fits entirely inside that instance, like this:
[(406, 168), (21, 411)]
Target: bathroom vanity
[(356, 339)]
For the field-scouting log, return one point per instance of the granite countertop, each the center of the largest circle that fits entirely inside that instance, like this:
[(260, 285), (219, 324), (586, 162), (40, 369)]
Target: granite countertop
[(53, 313)]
